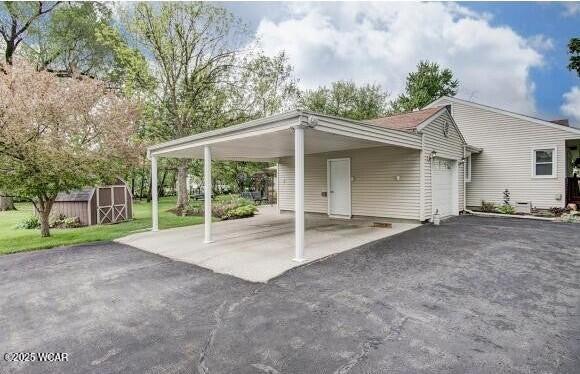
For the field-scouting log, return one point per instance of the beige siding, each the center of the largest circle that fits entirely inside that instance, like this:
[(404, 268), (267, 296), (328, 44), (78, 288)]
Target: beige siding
[(375, 190), (450, 147), (506, 160)]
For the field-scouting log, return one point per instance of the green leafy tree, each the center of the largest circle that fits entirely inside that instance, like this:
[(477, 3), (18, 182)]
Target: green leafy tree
[(193, 49), (425, 85), (574, 51), (81, 38), (16, 18), (345, 99), (265, 86)]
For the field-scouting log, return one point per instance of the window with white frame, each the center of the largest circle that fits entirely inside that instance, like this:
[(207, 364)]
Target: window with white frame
[(544, 165), (467, 168)]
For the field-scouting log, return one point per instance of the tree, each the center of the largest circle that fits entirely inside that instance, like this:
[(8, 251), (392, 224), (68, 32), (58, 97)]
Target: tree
[(345, 99), (193, 47), (574, 51), (423, 86), (264, 86), (60, 134), (15, 20)]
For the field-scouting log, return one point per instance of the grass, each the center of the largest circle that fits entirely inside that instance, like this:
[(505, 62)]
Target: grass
[(17, 240)]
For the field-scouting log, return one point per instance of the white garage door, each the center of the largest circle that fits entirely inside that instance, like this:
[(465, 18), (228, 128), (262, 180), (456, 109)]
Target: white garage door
[(443, 186)]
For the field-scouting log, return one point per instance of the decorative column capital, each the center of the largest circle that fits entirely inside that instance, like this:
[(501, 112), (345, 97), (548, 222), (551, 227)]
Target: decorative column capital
[(306, 122)]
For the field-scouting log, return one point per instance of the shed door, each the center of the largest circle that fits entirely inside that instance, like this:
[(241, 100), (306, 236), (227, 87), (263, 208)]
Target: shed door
[(339, 187), (443, 186)]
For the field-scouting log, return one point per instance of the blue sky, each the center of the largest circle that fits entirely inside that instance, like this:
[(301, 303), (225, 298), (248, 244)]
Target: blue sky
[(510, 55), (551, 20)]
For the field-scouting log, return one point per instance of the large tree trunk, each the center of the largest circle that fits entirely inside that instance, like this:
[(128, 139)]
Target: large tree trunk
[(44, 224), (141, 190), (6, 203), (182, 195), (10, 48), (150, 192), (161, 186), (44, 207)]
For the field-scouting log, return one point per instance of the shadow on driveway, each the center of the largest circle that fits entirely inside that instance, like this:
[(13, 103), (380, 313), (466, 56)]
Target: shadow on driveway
[(475, 294)]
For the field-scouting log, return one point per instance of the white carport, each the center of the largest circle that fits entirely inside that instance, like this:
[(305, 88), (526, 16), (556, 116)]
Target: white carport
[(294, 133)]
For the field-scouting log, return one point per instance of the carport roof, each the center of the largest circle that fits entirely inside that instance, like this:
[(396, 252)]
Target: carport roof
[(271, 137)]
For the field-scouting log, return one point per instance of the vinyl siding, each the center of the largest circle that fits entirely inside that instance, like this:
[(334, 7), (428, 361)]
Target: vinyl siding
[(506, 160), (450, 147), (375, 190)]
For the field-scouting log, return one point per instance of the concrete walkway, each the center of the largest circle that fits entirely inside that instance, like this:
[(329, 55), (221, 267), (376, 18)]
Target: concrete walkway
[(262, 247)]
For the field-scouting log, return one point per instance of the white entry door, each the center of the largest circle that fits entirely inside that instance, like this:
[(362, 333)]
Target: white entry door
[(338, 177), (444, 190)]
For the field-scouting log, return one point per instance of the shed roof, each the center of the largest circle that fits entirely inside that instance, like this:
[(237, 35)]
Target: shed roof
[(78, 195), (406, 121)]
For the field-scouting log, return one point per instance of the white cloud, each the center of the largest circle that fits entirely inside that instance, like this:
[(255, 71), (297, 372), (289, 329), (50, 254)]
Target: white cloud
[(541, 43), (571, 106), (572, 9), (381, 43)]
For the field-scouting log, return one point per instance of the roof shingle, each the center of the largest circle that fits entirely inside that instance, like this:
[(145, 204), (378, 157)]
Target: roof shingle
[(78, 195), (406, 121)]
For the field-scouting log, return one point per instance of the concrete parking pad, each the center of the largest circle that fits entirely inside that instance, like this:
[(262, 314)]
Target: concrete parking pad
[(260, 248), (474, 295)]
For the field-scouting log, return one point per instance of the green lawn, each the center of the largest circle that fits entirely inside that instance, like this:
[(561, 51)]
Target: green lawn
[(17, 240)]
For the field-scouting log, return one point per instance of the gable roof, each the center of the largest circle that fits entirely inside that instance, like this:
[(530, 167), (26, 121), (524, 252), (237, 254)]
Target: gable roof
[(78, 195), (287, 120), (524, 117), (406, 121)]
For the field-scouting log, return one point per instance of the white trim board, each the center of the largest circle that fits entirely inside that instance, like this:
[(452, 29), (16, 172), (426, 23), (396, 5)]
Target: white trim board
[(437, 114), (554, 163), (321, 122)]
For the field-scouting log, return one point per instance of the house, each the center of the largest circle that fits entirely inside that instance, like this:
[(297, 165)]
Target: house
[(406, 167), (532, 158)]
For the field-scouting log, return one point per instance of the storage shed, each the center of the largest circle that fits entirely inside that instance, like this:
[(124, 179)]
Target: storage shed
[(96, 205)]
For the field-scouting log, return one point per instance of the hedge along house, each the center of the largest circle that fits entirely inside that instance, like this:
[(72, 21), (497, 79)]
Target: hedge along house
[(405, 167)]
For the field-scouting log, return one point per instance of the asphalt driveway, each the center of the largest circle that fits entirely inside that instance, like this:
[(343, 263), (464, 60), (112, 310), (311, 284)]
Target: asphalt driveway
[(473, 295)]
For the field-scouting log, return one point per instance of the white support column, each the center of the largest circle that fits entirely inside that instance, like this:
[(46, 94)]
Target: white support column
[(299, 193), (154, 200), (207, 196)]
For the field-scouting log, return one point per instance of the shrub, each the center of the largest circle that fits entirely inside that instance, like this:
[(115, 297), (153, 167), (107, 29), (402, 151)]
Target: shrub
[(240, 212), (487, 207), (223, 207), (557, 211), (29, 223), (64, 222), (506, 209), (232, 200), (570, 217)]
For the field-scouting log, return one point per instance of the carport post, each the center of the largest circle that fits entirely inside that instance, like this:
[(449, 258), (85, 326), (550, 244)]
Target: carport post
[(207, 192), (154, 200), (299, 193)]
